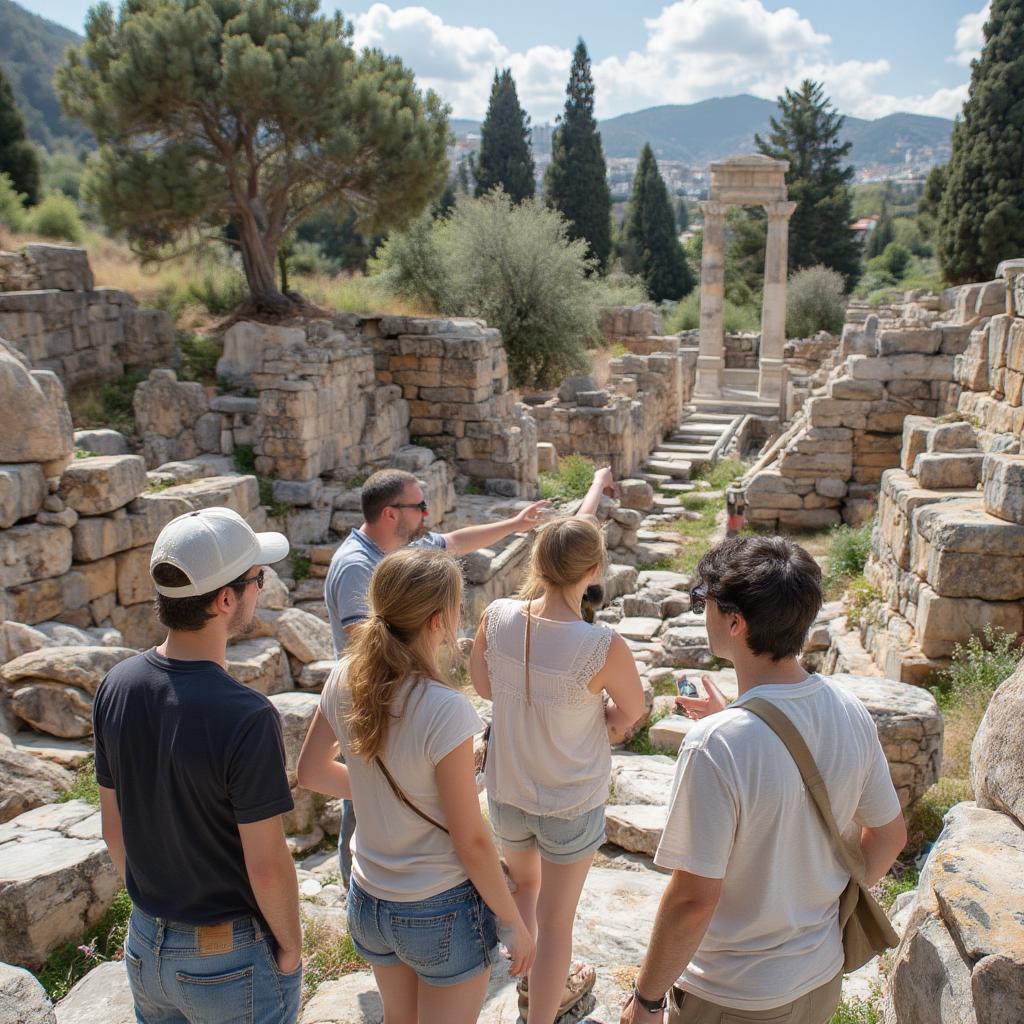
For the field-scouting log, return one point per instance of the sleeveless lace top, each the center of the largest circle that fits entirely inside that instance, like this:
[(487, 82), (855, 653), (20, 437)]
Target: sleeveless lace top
[(549, 755)]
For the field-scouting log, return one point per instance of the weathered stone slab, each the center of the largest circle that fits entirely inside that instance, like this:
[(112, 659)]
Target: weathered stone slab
[(32, 552), (260, 663), (685, 642), (897, 367), (22, 491), (53, 885), (948, 470), (296, 711), (1003, 482), (997, 754), (27, 782), (638, 627), (635, 827), (79, 666), (22, 999), (102, 442), (301, 634), (669, 732), (102, 483), (54, 708), (102, 995), (642, 779), (943, 622)]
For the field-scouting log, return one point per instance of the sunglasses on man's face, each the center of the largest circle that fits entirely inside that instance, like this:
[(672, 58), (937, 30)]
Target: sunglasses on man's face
[(258, 579), (421, 505), (698, 598)]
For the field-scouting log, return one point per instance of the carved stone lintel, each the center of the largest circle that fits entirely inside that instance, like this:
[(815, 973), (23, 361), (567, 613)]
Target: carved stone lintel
[(780, 211)]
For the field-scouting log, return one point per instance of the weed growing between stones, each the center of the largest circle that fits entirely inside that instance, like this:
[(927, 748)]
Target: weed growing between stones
[(244, 457), (641, 742), (199, 355), (848, 550), (857, 1011), (696, 535), (301, 567), (69, 963), (860, 598), (327, 955), (892, 885), (570, 481), (722, 473), (107, 405), (85, 786)]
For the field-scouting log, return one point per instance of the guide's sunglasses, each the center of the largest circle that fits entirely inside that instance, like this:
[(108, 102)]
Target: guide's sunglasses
[(421, 505), (258, 579), (699, 599)]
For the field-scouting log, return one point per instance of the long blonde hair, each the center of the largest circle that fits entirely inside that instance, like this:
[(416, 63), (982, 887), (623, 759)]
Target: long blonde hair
[(564, 551), (407, 589)]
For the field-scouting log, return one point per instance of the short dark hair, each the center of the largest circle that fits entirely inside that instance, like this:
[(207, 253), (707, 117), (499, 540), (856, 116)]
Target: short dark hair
[(184, 614), (381, 489), (773, 583)]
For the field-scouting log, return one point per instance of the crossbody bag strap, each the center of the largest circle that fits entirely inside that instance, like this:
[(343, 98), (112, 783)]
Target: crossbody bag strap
[(526, 656), (397, 790), (790, 736)]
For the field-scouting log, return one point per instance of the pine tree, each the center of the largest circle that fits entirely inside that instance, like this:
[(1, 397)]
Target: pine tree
[(257, 113), (981, 216), (682, 213), (930, 202), (576, 182), (806, 133), (506, 159), (880, 237), (18, 157), (650, 246)]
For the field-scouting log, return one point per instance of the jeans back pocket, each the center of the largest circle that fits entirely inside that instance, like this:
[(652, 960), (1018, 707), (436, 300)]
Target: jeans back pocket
[(423, 941), (219, 998)]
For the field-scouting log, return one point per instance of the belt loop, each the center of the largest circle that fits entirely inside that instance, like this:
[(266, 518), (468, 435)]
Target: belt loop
[(159, 942), (257, 930)]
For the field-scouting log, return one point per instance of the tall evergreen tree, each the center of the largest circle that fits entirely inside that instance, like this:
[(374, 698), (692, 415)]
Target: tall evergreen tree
[(576, 182), (806, 133), (650, 246), (18, 157), (506, 159), (981, 216), (930, 202)]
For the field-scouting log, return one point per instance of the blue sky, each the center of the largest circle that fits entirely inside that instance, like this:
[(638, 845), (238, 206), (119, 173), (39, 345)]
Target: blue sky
[(875, 56)]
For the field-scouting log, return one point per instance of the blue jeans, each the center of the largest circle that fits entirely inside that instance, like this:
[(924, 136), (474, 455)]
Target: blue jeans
[(348, 828), (220, 974), (560, 840), (446, 939)]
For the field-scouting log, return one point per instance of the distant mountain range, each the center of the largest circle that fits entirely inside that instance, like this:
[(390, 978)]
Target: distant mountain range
[(699, 133), (31, 48)]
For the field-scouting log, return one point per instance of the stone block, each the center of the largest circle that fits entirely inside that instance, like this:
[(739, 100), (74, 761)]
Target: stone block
[(635, 827), (829, 412), (247, 344), (296, 711), (1003, 484), (835, 464), (830, 487), (844, 388), (22, 492), (32, 552), (53, 708), (302, 635), (809, 518), (669, 732), (946, 470), (134, 583), (998, 750), (104, 994), (27, 781), (951, 437), (943, 622), (637, 494), (900, 340), (642, 779), (22, 999), (138, 625), (260, 663), (56, 880), (896, 367), (102, 483), (35, 424), (547, 457), (66, 664)]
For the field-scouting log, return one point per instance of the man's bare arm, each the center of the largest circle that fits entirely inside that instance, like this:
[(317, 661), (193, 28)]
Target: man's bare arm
[(110, 819), (472, 538), (881, 846)]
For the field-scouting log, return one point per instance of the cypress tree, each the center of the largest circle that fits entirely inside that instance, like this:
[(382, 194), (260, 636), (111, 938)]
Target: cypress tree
[(650, 246), (18, 157), (506, 159), (576, 182), (806, 133), (981, 215)]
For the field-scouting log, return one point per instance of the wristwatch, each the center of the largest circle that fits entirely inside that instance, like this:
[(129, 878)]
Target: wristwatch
[(650, 1005)]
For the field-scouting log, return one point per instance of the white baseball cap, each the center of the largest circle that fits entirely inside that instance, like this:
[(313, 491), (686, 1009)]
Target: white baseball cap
[(213, 547)]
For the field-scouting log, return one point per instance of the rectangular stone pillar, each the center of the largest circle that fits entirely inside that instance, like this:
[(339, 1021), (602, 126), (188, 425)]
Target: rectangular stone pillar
[(711, 359), (773, 309)]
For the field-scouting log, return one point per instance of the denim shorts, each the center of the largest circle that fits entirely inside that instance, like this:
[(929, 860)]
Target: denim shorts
[(179, 973), (561, 840), (446, 939)]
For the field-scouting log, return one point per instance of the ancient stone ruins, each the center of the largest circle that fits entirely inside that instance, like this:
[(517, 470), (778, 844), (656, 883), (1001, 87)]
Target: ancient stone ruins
[(912, 418)]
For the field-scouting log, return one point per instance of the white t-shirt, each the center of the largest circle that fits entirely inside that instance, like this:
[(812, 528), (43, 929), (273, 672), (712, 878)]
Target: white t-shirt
[(739, 811), (396, 855)]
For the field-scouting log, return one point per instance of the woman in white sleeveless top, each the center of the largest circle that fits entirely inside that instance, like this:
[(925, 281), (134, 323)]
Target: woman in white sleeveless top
[(549, 760)]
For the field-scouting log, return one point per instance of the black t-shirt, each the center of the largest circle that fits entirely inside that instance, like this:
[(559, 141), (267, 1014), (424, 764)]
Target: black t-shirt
[(192, 754)]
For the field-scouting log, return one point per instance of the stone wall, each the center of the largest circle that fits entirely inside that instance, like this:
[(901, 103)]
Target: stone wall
[(51, 311), (623, 322), (621, 423)]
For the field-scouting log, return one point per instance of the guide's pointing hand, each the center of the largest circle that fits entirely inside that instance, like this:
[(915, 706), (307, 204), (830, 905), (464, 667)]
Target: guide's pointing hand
[(700, 707)]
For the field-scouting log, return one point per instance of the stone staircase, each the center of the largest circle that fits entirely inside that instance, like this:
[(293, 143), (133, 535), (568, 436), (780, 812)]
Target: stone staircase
[(700, 439)]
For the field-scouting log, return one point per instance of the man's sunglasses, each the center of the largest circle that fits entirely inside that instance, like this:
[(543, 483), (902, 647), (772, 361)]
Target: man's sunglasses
[(258, 579), (699, 598), (421, 505)]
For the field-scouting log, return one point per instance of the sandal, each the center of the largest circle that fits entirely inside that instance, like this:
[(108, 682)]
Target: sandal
[(580, 981)]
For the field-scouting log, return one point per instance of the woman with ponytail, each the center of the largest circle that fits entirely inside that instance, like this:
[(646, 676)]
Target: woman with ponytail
[(428, 898), (563, 689)]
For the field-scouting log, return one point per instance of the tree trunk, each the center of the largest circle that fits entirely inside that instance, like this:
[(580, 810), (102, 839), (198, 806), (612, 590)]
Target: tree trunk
[(260, 267)]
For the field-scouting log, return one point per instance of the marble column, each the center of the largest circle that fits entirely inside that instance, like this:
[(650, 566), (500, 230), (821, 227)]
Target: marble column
[(773, 310), (711, 356)]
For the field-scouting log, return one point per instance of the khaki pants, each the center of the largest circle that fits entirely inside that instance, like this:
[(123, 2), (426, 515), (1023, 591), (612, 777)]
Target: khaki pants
[(816, 1007)]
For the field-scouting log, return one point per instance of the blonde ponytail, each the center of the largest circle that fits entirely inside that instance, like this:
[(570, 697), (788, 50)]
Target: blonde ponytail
[(564, 551), (407, 589)]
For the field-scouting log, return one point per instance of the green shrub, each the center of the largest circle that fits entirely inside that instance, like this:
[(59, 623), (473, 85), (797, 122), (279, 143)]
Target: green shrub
[(848, 550), (412, 262), (85, 786), (301, 567), (815, 301), (199, 355), (244, 457), (860, 596), (736, 316), (219, 290), (924, 818), (981, 665), (619, 289), (56, 217), (327, 954), (12, 205), (72, 961), (641, 743), (893, 885), (852, 1010), (721, 474), (571, 480)]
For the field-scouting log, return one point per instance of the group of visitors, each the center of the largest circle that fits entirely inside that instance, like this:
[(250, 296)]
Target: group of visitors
[(193, 785)]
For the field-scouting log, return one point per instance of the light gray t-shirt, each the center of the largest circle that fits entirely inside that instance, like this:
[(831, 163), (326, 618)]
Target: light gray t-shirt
[(348, 580), (738, 811), (396, 855)]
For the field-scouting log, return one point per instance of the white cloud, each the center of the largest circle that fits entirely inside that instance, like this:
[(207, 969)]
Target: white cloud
[(970, 37), (694, 49)]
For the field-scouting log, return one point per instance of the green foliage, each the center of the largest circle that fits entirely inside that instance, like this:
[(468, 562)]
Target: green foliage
[(696, 535), (682, 213), (893, 885), (930, 202), (735, 318), (301, 567), (894, 261), (255, 112), (199, 355), (721, 474), (85, 786), (56, 217), (506, 159), (649, 244), (924, 818), (107, 405), (860, 598), (848, 550), (72, 961), (641, 743), (815, 301), (218, 292), (980, 665), (852, 1010), (244, 457), (327, 954), (575, 182), (806, 133), (514, 266), (571, 480), (981, 217), (63, 173), (18, 157), (883, 234), (12, 205), (618, 289)]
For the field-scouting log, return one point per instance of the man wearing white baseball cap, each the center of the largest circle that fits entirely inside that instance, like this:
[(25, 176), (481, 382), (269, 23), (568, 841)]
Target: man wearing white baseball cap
[(191, 769)]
